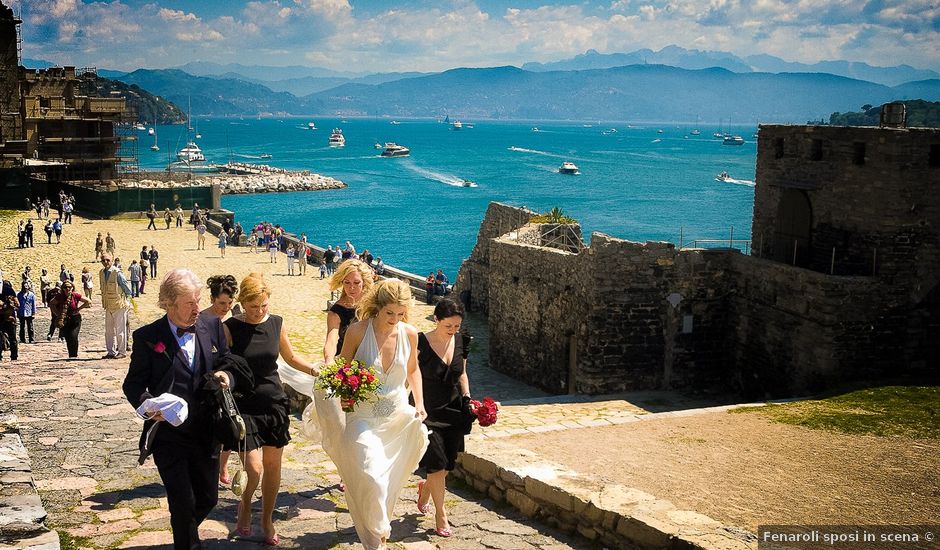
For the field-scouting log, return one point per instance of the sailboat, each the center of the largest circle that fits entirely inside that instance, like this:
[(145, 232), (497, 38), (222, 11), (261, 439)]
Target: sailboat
[(191, 152), (154, 147)]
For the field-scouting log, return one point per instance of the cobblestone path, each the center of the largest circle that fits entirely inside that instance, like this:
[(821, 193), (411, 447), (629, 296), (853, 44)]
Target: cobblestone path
[(82, 438)]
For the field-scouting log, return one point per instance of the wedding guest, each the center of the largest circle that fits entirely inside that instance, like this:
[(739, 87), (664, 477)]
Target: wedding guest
[(429, 283), (167, 218), (272, 250), (179, 215), (152, 216), (143, 278), (222, 292), (353, 279), (65, 308), (25, 313), (173, 355), (328, 256), (45, 283), (114, 299), (442, 359), (376, 447), (49, 230), (29, 233), (260, 337), (290, 259)]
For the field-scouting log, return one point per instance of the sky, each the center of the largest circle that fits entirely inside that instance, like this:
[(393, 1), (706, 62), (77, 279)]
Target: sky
[(382, 36)]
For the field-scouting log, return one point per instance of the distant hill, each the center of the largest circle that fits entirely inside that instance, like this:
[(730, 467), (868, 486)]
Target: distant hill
[(670, 55), (263, 72), (636, 92), (920, 114), (214, 96), (311, 84), (924, 89), (697, 59), (36, 63), (148, 107)]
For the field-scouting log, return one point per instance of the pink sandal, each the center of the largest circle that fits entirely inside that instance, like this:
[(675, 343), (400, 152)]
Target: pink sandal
[(426, 507), (443, 532)]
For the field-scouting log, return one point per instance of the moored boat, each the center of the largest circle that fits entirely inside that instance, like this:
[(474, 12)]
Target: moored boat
[(190, 153), (456, 125), (733, 140), (568, 168), (395, 150)]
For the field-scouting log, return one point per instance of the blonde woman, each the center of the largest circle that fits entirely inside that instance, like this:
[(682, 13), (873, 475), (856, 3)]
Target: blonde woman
[(260, 337), (353, 279), (376, 447)]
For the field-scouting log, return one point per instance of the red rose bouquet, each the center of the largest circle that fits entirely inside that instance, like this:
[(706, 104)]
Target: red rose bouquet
[(351, 381), (486, 412)]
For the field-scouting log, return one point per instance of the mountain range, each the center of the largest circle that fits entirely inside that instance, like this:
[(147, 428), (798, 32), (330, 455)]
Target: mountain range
[(672, 84)]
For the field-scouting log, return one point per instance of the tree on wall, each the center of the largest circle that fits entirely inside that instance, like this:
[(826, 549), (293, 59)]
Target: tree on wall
[(555, 215)]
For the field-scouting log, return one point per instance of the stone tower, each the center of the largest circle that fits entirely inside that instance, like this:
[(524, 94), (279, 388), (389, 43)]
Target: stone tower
[(10, 120)]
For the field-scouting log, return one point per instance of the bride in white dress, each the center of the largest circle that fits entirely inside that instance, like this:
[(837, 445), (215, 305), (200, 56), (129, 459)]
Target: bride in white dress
[(377, 447)]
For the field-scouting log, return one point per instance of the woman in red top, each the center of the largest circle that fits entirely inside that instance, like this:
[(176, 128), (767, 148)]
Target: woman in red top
[(65, 307)]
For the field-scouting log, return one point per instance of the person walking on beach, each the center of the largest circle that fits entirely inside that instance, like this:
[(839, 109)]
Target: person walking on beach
[(290, 259), (179, 215), (109, 245), (25, 313), (134, 271), (200, 234), (87, 282), (67, 208), (152, 258), (143, 278), (114, 299), (45, 283), (9, 304), (152, 216), (222, 243), (29, 233), (272, 250), (328, 256), (99, 247), (48, 229), (167, 218), (252, 242), (57, 229)]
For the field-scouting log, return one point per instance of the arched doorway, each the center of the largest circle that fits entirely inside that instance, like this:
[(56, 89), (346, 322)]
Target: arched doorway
[(794, 228)]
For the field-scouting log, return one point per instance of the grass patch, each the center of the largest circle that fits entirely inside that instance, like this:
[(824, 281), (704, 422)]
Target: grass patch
[(68, 542), (906, 411)]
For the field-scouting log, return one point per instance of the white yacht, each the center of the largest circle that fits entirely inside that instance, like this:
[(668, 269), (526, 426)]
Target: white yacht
[(568, 168), (311, 126), (395, 150), (724, 176), (151, 131), (456, 125), (190, 153), (140, 126), (337, 139), (733, 140)]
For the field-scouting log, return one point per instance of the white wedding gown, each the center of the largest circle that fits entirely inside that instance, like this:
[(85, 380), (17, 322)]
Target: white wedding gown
[(376, 447)]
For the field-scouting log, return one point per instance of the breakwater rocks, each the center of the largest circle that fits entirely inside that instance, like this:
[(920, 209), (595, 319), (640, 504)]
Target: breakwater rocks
[(239, 178)]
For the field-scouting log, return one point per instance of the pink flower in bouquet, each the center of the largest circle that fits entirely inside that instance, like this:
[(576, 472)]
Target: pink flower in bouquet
[(353, 381), (350, 381)]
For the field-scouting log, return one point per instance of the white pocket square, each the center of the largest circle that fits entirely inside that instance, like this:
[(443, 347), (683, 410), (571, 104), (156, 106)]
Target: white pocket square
[(215, 349)]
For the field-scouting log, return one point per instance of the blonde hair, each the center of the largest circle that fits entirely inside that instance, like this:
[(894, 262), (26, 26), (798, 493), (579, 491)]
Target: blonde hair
[(177, 282), (382, 294), (347, 267), (252, 287)]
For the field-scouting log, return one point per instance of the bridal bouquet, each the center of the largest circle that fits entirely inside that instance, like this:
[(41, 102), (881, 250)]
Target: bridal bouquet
[(486, 411), (351, 381)]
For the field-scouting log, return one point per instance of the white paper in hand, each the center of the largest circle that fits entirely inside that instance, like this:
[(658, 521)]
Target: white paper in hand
[(175, 410)]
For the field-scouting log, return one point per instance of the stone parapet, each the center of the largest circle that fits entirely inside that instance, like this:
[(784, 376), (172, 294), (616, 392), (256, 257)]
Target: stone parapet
[(22, 516), (614, 515)]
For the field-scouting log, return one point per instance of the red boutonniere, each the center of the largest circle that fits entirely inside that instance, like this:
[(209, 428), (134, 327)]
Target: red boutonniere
[(159, 347)]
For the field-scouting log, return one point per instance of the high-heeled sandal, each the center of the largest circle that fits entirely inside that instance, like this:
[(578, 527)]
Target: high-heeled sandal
[(443, 532), (225, 480), (426, 507), (273, 540), (243, 532)]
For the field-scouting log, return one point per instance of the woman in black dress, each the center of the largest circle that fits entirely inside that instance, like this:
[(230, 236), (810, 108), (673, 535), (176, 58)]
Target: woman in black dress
[(260, 337), (354, 279), (442, 359)]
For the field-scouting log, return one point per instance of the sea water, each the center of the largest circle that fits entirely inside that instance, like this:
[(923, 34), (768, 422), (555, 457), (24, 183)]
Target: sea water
[(636, 183)]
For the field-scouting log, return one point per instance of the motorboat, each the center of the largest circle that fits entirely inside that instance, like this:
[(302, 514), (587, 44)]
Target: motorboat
[(724, 176), (695, 132), (467, 183), (395, 122), (311, 126), (140, 126), (732, 140), (265, 156), (191, 153), (609, 131), (379, 146), (151, 131), (568, 168), (535, 129), (456, 125), (337, 139), (395, 150)]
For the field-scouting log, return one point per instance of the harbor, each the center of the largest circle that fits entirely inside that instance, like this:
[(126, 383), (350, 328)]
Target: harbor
[(236, 178)]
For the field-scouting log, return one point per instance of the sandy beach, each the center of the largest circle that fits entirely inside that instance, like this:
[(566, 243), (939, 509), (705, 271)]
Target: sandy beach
[(301, 300)]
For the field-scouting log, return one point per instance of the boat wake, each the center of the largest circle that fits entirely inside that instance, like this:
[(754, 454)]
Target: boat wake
[(446, 179), (535, 152), (748, 183)]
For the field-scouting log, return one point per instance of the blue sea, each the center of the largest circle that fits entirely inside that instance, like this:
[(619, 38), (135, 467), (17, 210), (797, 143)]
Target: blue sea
[(638, 183)]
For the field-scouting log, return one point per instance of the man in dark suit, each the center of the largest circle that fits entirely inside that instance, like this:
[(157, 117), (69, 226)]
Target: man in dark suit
[(172, 355)]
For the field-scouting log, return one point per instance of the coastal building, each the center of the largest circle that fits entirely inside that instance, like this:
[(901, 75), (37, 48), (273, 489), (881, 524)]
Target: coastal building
[(842, 284), (49, 131)]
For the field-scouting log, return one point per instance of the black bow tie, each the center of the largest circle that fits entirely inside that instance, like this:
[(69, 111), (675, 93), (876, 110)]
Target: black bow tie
[(180, 331)]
